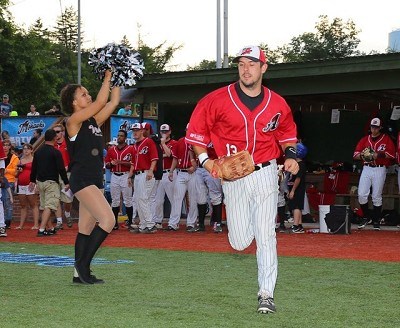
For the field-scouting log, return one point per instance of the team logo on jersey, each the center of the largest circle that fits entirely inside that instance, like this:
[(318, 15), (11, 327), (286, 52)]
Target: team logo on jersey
[(144, 150), (381, 147), (272, 124), (95, 130), (127, 158)]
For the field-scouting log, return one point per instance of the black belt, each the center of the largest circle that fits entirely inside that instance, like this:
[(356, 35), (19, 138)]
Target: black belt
[(259, 166), (140, 172), (373, 165), (166, 171), (183, 170), (120, 173)]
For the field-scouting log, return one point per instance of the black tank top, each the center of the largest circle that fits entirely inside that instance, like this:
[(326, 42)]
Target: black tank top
[(86, 151)]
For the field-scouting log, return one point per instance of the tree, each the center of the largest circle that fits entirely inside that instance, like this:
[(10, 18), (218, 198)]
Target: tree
[(208, 64), (331, 41)]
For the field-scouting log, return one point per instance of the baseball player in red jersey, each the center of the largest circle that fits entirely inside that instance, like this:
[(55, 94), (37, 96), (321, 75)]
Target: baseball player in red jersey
[(374, 173), (65, 198), (165, 187), (248, 116), (118, 160), (144, 162), (184, 180)]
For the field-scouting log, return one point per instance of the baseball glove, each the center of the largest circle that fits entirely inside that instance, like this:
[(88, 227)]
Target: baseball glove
[(367, 155), (233, 167)]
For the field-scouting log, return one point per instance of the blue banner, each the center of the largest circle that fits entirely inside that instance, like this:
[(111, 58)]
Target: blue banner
[(21, 128), (118, 122)]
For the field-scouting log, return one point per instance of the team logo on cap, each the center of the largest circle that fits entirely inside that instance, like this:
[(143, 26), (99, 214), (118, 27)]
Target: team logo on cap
[(246, 51)]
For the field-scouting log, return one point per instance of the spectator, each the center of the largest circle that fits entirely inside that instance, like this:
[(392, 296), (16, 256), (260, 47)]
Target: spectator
[(37, 133), (373, 174), (185, 180), (10, 173), (297, 189), (165, 186), (144, 162), (5, 106), (126, 110), (47, 166), (5, 193), (66, 198), (33, 111), (26, 197), (118, 160), (55, 110)]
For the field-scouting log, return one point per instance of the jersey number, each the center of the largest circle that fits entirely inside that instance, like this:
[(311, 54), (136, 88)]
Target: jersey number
[(230, 149)]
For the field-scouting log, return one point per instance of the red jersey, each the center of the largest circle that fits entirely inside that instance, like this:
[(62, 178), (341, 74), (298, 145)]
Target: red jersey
[(221, 118), (181, 151), (380, 144), (144, 152), (121, 154), (167, 161), (62, 147)]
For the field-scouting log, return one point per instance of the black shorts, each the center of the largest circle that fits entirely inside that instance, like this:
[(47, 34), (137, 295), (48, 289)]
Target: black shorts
[(297, 203), (77, 182)]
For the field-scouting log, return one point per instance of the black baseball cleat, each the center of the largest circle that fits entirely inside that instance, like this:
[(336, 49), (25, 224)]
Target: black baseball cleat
[(266, 304), (95, 280)]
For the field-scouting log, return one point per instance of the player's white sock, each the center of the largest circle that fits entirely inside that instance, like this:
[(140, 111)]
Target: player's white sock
[(59, 220)]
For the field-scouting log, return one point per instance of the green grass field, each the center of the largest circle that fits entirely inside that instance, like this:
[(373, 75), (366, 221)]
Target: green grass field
[(191, 289)]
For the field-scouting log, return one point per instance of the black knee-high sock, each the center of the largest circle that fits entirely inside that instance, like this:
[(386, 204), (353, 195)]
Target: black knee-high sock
[(281, 215), (93, 243), (116, 212), (377, 215), (365, 210), (202, 208), (217, 213), (81, 243), (129, 213)]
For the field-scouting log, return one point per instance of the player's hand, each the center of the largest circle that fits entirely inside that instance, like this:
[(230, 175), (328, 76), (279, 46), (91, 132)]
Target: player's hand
[(129, 182), (291, 165), (291, 195), (149, 175), (191, 170), (171, 176)]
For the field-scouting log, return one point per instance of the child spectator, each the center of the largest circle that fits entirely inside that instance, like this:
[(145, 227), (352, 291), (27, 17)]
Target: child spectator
[(5, 194), (297, 189)]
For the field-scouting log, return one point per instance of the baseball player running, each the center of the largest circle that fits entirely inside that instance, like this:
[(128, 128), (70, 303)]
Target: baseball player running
[(248, 116), (118, 160), (374, 171)]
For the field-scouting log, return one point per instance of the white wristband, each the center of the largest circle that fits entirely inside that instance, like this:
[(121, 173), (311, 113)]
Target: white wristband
[(203, 157)]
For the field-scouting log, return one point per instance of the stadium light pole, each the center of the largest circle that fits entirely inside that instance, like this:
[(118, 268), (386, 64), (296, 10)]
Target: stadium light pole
[(79, 42), (219, 63)]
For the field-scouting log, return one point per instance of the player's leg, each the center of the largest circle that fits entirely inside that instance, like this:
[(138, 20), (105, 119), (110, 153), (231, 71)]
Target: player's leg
[(192, 193), (378, 183), (237, 201), (115, 191), (180, 187), (127, 196), (364, 186)]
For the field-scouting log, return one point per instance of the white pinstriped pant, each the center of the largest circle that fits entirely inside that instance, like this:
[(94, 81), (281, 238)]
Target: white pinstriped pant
[(375, 177), (164, 187), (251, 206)]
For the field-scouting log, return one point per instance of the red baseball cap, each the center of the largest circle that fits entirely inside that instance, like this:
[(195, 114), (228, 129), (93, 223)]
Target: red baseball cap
[(147, 126), (254, 53)]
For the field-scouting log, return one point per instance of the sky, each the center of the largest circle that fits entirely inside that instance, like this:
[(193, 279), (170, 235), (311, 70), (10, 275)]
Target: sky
[(192, 23)]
